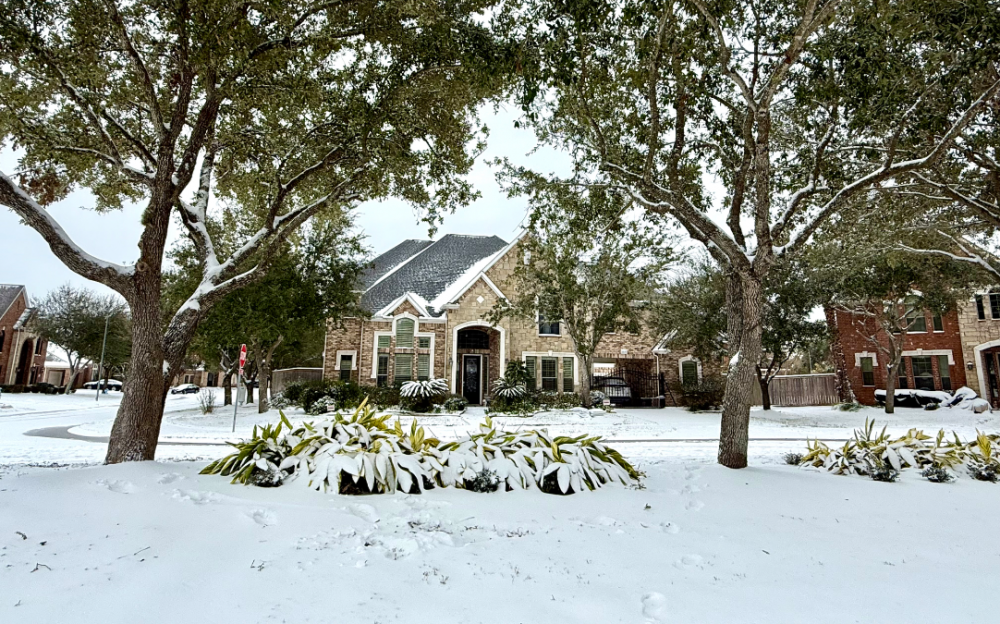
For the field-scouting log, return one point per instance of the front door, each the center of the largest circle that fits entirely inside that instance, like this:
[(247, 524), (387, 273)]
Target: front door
[(992, 377), (472, 367)]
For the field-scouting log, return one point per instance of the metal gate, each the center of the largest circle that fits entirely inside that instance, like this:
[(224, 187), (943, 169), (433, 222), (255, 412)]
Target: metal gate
[(644, 389)]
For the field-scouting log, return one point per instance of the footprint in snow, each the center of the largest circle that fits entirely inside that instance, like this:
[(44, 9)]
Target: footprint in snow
[(114, 485), (670, 527), (690, 489), (692, 473), (263, 517), (691, 560), (196, 497), (364, 511), (695, 505), (654, 607), (168, 477)]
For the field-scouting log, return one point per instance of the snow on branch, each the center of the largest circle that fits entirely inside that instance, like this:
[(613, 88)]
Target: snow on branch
[(115, 276)]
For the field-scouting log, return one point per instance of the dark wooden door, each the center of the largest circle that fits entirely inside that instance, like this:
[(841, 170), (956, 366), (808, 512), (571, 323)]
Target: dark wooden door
[(472, 366), (992, 377)]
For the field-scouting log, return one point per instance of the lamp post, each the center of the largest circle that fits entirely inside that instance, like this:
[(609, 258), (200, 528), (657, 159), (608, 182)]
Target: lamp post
[(100, 368)]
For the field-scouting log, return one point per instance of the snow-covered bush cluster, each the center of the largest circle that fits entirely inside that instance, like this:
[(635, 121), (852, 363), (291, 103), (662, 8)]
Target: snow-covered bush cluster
[(363, 453), (874, 454), (423, 389), (963, 398)]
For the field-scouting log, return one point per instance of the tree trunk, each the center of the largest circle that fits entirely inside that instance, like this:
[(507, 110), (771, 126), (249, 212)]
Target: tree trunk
[(585, 380), (765, 392), (227, 389), (137, 425), (745, 299), (890, 388), (262, 374), (72, 379)]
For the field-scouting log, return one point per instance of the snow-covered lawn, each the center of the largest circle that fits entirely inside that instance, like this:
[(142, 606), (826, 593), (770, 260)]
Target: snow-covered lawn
[(157, 542)]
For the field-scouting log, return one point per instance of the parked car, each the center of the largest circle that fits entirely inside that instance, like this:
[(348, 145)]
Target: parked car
[(615, 388), (113, 384), (185, 389)]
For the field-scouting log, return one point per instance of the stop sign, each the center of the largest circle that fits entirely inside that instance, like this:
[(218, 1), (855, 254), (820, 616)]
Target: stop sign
[(243, 357)]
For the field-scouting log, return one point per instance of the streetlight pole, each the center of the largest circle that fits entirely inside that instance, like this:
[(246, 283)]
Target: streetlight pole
[(100, 368)]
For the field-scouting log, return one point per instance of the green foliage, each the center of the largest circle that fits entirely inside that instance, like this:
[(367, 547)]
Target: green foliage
[(382, 396), (869, 451), (704, 394), (848, 407), (883, 473), (792, 459), (364, 453), (455, 403), (984, 465), (485, 481), (936, 474)]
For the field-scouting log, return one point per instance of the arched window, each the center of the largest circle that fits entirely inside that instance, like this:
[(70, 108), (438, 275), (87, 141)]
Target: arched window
[(473, 339), (404, 333)]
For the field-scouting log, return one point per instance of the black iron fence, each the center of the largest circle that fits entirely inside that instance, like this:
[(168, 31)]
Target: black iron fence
[(632, 387)]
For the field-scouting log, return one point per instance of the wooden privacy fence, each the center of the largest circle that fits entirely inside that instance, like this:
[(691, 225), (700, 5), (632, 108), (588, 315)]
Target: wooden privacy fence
[(281, 378), (800, 390)]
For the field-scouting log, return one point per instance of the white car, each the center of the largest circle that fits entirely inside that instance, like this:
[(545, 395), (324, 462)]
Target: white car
[(113, 384)]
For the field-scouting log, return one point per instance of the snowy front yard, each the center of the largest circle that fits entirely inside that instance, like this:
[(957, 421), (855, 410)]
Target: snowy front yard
[(157, 542)]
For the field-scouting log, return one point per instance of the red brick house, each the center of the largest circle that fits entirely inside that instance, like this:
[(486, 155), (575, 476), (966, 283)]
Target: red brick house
[(932, 353), (22, 351)]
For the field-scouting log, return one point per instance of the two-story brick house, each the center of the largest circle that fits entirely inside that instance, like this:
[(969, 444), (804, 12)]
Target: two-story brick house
[(22, 351), (429, 303), (933, 357)]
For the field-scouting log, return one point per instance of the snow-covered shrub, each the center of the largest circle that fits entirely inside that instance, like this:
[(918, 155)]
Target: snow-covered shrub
[(936, 474), (420, 396), (278, 401), (704, 394), (851, 406), (792, 459), (597, 397), (321, 405), (930, 407), (206, 402), (557, 401), (455, 403), (362, 453), (884, 473), (983, 462), (509, 389), (486, 481)]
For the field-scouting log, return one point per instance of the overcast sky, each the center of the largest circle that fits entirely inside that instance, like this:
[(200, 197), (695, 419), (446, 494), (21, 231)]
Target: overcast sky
[(26, 259)]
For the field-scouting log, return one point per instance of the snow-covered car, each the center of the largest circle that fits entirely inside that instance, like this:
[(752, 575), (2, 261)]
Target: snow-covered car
[(615, 388), (185, 389), (113, 384)]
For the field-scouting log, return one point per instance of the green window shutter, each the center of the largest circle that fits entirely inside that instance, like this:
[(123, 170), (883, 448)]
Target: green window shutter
[(423, 366), (404, 368), (530, 364), (567, 374), (404, 333), (424, 342), (383, 342), (689, 372)]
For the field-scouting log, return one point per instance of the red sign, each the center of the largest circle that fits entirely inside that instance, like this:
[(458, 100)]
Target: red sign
[(243, 357)]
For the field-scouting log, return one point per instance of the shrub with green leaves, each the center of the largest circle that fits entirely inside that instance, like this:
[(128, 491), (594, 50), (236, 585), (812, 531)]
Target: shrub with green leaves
[(983, 462), (455, 403), (936, 474), (792, 459), (363, 453), (851, 406), (704, 394), (422, 396), (868, 452)]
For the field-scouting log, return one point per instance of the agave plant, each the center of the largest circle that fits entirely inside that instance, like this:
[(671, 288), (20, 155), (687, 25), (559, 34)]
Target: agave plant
[(424, 389)]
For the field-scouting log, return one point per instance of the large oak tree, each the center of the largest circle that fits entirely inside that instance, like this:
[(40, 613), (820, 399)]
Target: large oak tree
[(274, 109)]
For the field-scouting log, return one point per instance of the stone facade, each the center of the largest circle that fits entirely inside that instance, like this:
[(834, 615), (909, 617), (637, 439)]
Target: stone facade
[(509, 340), (850, 331), (22, 351), (980, 339)]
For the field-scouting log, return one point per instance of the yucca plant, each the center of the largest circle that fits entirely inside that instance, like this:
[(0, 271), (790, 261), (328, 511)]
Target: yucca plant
[(509, 389), (426, 388), (983, 463)]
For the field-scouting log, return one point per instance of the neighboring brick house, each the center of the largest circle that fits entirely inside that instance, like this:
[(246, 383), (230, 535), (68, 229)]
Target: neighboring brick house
[(932, 353), (429, 301), (57, 371), (22, 351)]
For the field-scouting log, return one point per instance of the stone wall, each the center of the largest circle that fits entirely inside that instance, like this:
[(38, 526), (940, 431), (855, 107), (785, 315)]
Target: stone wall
[(975, 332)]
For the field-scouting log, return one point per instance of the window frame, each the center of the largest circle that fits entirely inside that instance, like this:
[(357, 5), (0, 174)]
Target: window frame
[(980, 308), (902, 378), (926, 365), (995, 306), (944, 372), (541, 322), (870, 373), (570, 363), (396, 377), (382, 379), (912, 314), (555, 374)]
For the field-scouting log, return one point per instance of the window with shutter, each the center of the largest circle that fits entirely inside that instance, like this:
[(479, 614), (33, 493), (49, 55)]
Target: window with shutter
[(567, 374), (424, 342), (531, 364), (404, 333), (689, 372), (404, 368), (423, 367), (383, 342)]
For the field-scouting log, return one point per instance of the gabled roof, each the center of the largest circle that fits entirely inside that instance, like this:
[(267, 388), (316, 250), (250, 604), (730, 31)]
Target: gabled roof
[(392, 259), (8, 295), (22, 321), (429, 271)]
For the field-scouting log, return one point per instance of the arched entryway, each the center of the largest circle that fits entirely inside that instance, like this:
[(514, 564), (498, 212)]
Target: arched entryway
[(24, 362), (477, 356)]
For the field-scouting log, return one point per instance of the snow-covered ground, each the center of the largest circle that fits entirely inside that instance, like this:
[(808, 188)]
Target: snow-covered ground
[(157, 542)]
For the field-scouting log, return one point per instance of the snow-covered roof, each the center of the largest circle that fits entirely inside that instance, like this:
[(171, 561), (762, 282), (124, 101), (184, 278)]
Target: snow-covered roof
[(22, 321), (8, 295), (434, 268)]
